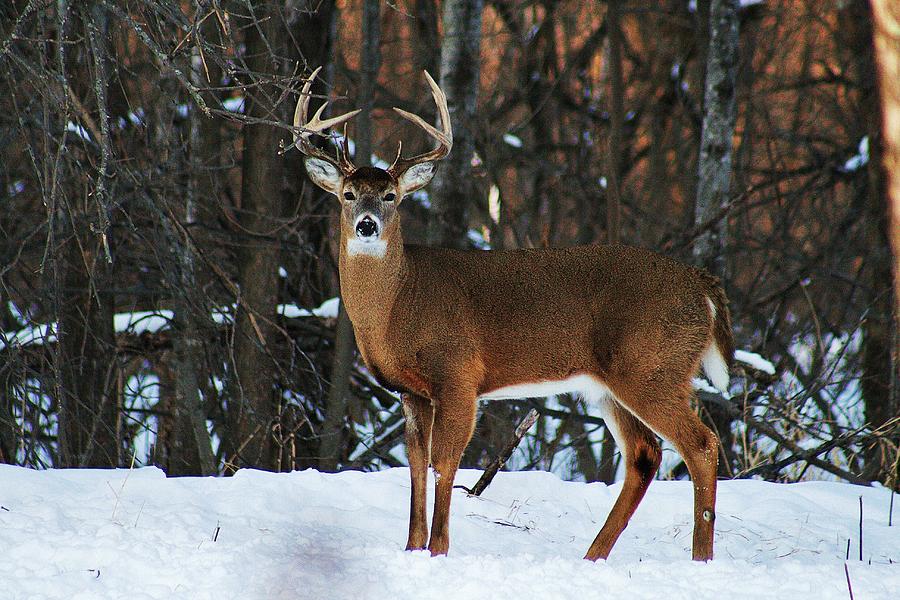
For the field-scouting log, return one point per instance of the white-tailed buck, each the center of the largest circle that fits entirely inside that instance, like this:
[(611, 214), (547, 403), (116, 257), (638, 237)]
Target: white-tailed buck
[(626, 327)]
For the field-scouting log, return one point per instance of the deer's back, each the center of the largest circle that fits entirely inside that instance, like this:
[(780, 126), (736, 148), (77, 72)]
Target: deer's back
[(585, 308)]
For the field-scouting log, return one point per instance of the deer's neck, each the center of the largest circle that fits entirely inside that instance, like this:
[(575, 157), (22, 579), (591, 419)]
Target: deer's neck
[(370, 281)]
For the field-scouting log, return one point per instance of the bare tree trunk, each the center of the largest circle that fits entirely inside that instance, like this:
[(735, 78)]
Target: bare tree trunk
[(427, 42), (191, 452), (312, 25), (370, 64), (695, 77), (883, 333), (714, 181), (8, 430), (89, 406), (253, 405), (616, 118), (452, 189), (88, 420)]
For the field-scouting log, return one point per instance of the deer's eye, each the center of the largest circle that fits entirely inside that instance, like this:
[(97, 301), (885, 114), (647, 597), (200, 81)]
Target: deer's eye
[(349, 196), (389, 197)]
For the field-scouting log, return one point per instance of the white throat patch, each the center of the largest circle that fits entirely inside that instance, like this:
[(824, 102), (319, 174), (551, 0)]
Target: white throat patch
[(377, 248)]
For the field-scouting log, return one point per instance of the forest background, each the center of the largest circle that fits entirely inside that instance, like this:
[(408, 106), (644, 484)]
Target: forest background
[(160, 257)]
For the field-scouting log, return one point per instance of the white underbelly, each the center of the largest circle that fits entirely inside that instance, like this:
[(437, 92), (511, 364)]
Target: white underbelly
[(589, 387), (597, 396)]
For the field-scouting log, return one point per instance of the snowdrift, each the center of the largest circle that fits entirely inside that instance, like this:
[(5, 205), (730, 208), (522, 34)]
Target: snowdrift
[(138, 535)]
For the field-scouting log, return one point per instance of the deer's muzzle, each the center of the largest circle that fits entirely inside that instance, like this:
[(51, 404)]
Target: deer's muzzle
[(368, 227)]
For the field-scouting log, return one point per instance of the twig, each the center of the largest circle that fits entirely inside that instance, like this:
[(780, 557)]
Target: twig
[(98, 50), (860, 529), (83, 114), (810, 456), (161, 56), (498, 462), (140, 512), (891, 510), (815, 316), (849, 586), (122, 487), (14, 30)]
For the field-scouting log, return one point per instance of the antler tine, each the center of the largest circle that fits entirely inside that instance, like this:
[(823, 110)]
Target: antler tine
[(303, 128), (344, 154), (444, 136)]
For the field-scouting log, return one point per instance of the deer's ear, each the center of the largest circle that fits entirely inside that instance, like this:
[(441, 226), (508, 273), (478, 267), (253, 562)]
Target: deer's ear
[(415, 178), (324, 174)]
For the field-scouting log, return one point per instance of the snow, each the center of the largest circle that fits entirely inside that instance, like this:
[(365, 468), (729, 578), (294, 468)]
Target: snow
[(137, 322), (754, 360), (512, 140), (152, 321), (494, 204), (31, 335), (860, 159), (143, 321), (702, 385), (479, 238), (78, 130), (692, 4), (16, 187), (137, 535), (234, 104), (326, 310), (223, 315)]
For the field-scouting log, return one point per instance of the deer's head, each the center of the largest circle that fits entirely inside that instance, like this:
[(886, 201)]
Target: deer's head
[(369, 196)]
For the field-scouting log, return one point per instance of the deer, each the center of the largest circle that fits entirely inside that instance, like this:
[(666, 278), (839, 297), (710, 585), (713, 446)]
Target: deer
[(625, 327)]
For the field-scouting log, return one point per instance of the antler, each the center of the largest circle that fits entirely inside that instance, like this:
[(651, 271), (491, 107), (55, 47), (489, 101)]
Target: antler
[(303, 129), (444, 136)]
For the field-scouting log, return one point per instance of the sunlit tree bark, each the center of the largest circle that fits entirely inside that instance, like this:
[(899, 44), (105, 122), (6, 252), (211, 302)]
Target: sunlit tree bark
[(883, 331)]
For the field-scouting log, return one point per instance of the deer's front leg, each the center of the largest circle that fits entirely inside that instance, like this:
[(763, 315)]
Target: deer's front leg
[(454, 422), (419, 418)]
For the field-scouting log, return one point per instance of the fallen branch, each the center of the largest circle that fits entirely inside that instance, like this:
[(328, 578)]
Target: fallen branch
[(501, 459)]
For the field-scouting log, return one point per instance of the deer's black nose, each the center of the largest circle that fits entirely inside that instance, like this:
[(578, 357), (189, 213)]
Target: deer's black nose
[(366, 227)]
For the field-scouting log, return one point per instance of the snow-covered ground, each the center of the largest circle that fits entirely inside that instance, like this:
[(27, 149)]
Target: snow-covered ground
[(137, 535)]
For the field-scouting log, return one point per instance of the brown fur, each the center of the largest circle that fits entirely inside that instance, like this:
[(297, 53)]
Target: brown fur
[(446, 326)]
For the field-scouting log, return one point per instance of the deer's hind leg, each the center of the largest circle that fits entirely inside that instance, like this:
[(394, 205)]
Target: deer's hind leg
[(641, 454), (667, 411), (419, 415)]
